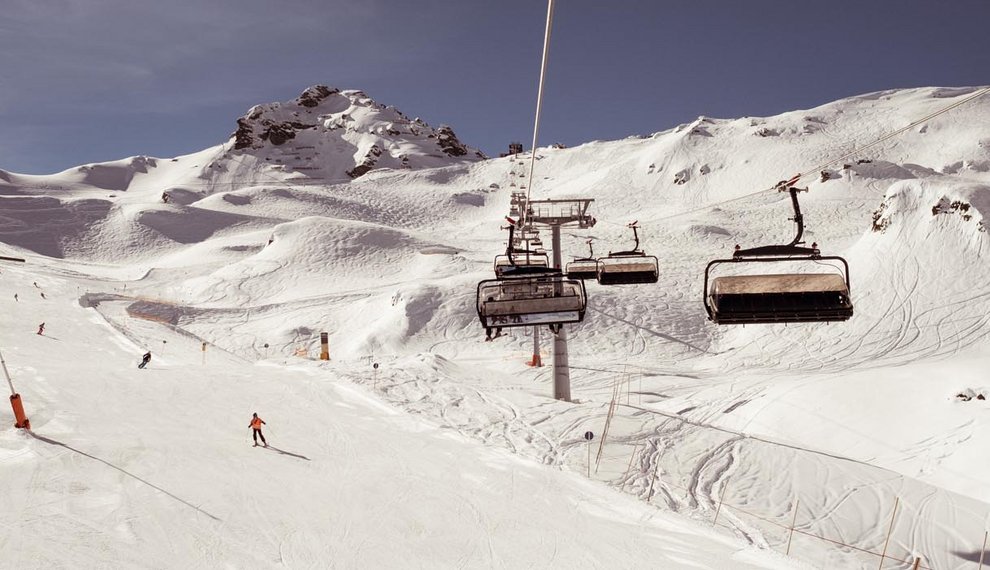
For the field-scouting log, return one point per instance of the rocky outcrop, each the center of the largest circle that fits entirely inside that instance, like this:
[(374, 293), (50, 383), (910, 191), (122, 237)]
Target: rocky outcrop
[(311, 97), (370, 159), (449, 142)]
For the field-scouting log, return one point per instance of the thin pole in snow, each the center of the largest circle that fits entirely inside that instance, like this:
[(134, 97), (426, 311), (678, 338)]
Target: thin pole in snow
[(721, 498), (790, 536), (889, 530), (7, 374), (984, 549), (589, 459)]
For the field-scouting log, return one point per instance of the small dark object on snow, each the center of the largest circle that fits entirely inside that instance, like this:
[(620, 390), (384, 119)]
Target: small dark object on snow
[(145, 359)]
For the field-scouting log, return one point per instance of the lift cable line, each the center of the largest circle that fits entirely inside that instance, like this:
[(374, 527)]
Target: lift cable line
[(551, 298), (893, 134), (539, 102)]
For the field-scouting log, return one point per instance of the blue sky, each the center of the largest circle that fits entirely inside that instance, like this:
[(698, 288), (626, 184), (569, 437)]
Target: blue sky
[(95, 80)]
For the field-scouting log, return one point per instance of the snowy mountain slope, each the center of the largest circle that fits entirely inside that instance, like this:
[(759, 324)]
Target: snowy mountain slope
[(387, 264), (154, 468), (324, 136)]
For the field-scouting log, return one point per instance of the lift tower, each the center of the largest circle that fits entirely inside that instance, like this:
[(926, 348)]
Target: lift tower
[(555, 214)]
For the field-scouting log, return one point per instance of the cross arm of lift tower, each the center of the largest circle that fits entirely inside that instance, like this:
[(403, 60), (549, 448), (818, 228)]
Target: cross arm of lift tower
[(557, 213)]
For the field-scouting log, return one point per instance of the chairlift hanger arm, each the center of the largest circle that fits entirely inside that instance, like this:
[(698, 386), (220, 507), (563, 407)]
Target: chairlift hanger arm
[(798, 217), (635, 236), (591, 253), (791, 248)]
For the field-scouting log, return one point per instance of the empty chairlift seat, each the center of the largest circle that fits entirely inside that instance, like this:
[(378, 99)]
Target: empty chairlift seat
[(782, 298), (628, 269), (582, 269), (534, 300), (521, 263)]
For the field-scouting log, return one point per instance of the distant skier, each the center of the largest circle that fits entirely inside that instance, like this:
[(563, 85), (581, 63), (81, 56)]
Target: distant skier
[(145, 359), (255, 425), (43, 295), (15, 297), (41, 328), (165, 197)]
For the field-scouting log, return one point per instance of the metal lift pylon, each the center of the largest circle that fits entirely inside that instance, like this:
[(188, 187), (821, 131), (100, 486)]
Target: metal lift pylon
[(556, 214)]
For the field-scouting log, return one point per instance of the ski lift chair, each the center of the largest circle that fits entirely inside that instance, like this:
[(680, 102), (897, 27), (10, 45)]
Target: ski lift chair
[(520, 301), (521, 261), (779, 297), (628, 267), (583, 268)]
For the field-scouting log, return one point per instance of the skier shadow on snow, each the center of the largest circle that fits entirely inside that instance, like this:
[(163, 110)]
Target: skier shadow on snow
[(283, 452), (125, 472)]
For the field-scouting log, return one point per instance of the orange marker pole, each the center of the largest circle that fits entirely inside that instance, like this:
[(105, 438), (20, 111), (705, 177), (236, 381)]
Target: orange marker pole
[(20, 420), (324, 346)]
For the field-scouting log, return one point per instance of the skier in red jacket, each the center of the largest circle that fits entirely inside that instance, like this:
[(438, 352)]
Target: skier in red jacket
[(255, 425)]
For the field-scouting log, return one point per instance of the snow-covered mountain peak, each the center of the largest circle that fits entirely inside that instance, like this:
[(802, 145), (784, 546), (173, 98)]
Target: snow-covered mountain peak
[(327, 132)]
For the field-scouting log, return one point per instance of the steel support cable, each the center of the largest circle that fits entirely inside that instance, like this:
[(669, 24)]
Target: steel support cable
[(855, 151), (889, 136), (539, 105)]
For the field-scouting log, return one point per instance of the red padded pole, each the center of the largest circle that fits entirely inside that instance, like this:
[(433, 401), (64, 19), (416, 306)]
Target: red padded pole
[(19, 417)]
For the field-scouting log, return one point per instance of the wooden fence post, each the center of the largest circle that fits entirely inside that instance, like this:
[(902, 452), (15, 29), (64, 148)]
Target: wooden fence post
[(917, 562), (984, 549), (629, 467), (721, 496), (889, 530), (608, 422), (793, 522), (649, 497)]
